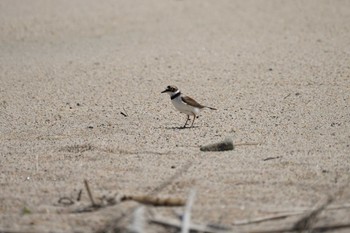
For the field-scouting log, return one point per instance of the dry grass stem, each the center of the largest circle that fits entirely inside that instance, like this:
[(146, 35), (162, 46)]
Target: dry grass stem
[(155, 201), (89, 193), (174, 223), (138, 221), (186, 222)]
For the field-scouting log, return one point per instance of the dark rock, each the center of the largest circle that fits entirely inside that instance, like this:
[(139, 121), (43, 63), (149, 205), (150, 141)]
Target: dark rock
[(227, 144)]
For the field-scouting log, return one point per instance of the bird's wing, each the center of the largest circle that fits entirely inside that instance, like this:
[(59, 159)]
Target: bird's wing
[(188, 100)]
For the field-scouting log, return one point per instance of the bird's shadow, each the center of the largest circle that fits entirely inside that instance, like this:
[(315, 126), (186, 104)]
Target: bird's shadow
[(181, 128)]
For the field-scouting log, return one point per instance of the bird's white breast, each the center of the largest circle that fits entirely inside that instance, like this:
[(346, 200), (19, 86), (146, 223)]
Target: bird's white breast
[(183, 107)]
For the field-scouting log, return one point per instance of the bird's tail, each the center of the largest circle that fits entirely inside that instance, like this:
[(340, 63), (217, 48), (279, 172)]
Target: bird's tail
[(211, 108)]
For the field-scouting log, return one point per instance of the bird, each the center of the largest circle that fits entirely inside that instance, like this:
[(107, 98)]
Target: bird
[(185, 104)]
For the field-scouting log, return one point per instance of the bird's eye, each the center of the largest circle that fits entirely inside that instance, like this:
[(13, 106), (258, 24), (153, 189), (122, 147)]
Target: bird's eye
[(168, 87)]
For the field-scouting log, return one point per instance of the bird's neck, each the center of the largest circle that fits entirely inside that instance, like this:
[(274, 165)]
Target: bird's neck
[(175, 95)]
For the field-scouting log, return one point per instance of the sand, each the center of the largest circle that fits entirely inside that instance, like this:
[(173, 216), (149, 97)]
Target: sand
[(277, 71)]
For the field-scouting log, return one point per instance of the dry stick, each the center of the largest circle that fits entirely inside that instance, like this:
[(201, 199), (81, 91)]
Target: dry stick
[(193, 227), (312, 229), (247, 144), (89, 193), (155, 201), (138, 220), (187, 215), (79, 194), (284, 215), (264, 219), (270, 158), (124, 114), (303, 210), (286, 96)]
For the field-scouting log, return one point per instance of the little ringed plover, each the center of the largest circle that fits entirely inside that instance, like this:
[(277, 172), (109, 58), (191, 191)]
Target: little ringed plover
[(185, 104)]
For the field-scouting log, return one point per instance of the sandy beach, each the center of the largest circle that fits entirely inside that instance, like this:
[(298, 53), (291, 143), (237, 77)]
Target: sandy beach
[(80, 99)]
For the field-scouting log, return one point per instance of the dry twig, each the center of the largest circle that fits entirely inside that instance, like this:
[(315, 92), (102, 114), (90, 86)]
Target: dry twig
[(93, 204), (247, 144), (263, 219), (174, 223), (138, 221), (186, 222), (284, 214), (270, 158), (155, 201), (312, 229)]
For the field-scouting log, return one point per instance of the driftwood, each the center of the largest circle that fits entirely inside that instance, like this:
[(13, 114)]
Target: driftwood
[(174, 223), (186, 221), (312, 229), (263, 219), (155, 201), (284, 214), (138, 221)]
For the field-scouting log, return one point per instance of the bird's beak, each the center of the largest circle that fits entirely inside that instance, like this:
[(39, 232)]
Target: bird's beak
[(165, 91)]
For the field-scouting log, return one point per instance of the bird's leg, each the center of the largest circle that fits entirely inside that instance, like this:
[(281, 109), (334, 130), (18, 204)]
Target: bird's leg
[(194, 117), (188, 118)]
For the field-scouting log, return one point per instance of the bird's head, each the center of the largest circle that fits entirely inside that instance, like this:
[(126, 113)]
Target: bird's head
[(170, 90)]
